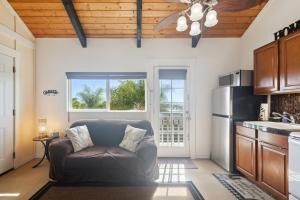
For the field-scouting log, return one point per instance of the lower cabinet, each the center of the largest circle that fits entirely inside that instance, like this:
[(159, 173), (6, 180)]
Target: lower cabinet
[(246, 156), (263, 158), (272, 169)]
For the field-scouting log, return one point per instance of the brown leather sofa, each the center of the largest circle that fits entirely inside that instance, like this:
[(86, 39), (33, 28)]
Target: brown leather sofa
[(105, 162)]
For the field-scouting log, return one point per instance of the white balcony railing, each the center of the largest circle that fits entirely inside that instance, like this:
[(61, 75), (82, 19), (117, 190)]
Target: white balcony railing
[(171, 129)]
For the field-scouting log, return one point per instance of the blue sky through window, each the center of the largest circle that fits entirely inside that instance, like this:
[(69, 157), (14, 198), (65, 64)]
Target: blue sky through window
[(78, 86)]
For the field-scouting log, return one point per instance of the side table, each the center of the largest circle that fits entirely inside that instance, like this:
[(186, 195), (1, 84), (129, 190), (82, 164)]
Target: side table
[(45, 142)]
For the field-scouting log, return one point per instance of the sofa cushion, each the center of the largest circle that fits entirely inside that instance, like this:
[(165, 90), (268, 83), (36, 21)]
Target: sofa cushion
[(102, 158), (111, 132), (80, 137), (132, 138)]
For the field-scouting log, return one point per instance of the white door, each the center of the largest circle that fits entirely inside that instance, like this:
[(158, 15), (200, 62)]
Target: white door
[(6, 113), (172, 111)]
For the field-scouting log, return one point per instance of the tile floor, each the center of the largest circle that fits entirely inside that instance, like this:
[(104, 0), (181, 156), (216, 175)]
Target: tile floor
[(23, 182)]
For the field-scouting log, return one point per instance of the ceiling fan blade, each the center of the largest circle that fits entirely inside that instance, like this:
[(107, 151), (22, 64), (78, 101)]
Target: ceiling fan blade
[(167, 21), (238, 5), (178, 1), (173, 1)]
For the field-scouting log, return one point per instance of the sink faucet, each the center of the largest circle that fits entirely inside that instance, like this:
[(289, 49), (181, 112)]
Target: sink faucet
[(287, 116), (291, 118)]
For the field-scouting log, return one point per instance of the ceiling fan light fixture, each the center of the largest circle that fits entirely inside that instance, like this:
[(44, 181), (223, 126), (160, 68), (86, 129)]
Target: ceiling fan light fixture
[(210, 24), (196, 12), (211, 3), (211, 15), (181, 24), (211, 19), (195, 29), (185, 1)]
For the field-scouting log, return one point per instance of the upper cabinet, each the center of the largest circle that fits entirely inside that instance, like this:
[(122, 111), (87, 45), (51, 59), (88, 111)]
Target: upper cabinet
[(277, 66), (290, 62), (266, 69)]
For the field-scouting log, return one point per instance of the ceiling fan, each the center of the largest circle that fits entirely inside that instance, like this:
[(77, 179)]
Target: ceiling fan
[(202, 13)]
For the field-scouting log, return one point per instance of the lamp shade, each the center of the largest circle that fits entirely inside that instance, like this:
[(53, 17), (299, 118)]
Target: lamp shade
[(196, 12), (211, 19), (195, 29), (42, 126), (181, 24)]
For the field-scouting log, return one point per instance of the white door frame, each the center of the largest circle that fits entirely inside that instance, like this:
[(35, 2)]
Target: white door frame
[(186, 62), (16, 57), (176, 151)]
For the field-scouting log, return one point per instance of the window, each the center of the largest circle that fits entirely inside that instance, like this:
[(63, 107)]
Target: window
[(107, 91)]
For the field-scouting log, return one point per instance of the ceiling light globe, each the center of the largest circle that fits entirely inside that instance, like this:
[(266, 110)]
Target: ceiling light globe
[(211, 19), (210, 24), (185, 1), (195, 29), (211, 15), (181, 24), (196, 12)]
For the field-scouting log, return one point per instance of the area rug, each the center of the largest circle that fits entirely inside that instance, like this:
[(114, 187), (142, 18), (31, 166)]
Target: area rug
[(181, 163), (241, 188), (54, 191)]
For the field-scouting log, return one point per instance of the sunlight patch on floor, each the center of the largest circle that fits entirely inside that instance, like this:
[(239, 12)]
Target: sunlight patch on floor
[(170, 191), (171, 173)]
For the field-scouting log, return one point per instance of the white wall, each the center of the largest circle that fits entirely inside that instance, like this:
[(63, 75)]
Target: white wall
[(276, 15), (17, 41), (54, 57)]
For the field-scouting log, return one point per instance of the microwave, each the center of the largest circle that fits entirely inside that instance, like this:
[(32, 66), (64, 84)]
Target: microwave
[(237, 78)]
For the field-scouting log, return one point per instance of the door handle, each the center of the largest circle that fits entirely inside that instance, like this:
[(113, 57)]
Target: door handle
[(188, 116)]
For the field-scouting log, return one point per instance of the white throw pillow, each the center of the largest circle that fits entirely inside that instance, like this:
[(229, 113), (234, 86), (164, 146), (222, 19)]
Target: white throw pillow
[(132, 138), (80, 137)]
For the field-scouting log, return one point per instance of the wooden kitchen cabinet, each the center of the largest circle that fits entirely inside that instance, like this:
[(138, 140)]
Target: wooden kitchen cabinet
[(263, 158), (266, 69), (290, 62), (246, 156), (273, 164)]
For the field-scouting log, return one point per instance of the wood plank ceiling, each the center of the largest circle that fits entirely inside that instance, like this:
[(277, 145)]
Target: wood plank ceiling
[(117, 19)]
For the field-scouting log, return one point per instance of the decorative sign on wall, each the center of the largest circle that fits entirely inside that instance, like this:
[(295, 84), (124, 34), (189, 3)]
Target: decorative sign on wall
[(287, 30), (50, 92)]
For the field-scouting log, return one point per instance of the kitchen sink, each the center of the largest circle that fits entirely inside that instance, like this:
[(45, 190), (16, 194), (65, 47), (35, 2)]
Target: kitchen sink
[(275, 125)]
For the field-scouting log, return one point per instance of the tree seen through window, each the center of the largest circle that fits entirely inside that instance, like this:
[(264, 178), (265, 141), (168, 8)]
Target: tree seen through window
[(123, 94)]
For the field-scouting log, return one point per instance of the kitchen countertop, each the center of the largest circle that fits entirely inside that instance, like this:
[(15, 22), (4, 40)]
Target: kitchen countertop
[(284, 132)]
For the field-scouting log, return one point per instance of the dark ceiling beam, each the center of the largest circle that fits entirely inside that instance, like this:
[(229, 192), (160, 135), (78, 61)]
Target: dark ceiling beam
[(139, 24), (68, 4), (195, 40)]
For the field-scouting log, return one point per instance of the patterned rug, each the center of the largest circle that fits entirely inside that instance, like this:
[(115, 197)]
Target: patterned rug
[(241, 188), (182, 191)]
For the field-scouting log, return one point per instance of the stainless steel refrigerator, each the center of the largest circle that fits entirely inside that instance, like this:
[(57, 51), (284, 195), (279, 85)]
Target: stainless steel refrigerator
[(231, 104)]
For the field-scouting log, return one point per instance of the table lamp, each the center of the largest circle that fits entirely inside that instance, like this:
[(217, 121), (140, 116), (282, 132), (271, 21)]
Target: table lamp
[(42, 127)]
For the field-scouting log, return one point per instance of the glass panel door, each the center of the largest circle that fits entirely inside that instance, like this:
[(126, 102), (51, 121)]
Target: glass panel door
[(173, 115)]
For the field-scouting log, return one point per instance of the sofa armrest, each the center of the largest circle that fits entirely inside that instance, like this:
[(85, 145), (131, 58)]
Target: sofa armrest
[(147, 152), (58, 150)]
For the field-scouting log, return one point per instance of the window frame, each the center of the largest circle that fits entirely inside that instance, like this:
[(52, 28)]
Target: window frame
[(108, 99)]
